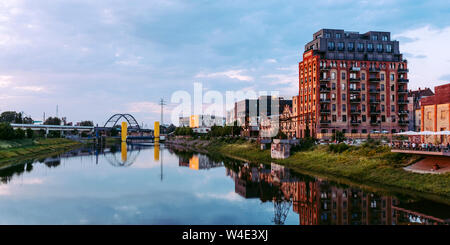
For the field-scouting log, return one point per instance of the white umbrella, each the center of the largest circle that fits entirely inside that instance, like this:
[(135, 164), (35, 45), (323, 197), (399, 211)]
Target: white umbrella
[(426, 133)]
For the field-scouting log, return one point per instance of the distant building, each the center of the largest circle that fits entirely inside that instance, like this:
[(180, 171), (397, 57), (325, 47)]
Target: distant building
[(201, 121), (435, 113), (414, 105)]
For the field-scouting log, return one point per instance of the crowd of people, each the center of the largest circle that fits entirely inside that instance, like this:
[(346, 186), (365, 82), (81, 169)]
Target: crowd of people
[(420, 146)]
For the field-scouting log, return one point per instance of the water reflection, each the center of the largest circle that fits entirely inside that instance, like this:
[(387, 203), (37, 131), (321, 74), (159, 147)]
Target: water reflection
[(293, 198)]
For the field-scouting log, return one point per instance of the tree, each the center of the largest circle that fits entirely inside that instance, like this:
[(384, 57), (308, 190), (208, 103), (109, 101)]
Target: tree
[(15, 117), (19, 133), (30, 133), (114, 132), (338, 136), (281, 135), (6, 131), (52, 121), (86, 123)]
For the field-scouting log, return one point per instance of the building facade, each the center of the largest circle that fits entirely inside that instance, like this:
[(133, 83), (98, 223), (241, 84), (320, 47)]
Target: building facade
[(414, 105), (354, 83), (201, 121), (435, 114)]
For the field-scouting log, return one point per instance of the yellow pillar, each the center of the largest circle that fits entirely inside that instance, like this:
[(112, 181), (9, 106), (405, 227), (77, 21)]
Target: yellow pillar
[(156, 130), (124, 131)]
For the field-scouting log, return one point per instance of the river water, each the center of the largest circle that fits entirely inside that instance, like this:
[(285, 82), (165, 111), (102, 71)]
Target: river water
[(160, 185)]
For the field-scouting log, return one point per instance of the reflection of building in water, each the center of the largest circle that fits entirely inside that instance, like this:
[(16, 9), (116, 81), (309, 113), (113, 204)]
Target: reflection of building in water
[(320, 202), (198, 162)]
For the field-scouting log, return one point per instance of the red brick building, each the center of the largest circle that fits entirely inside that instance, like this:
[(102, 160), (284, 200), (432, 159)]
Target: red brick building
[(354, 83)]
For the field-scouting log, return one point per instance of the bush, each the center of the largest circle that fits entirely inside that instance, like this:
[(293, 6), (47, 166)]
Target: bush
[(30, 133), (338, 148), (6, 131), (305, 144), (19, 133)]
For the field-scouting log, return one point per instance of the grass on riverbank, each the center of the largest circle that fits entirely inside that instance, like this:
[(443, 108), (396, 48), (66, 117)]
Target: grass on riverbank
[(17, 150), (368, 164)]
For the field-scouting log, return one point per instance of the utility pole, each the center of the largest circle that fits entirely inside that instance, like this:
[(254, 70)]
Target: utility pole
[(162, 103)]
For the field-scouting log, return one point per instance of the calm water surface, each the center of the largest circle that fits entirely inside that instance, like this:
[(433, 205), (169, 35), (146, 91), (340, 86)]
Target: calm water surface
[(144, 185)]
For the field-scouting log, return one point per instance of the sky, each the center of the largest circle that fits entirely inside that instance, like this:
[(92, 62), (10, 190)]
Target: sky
[(93, 59)]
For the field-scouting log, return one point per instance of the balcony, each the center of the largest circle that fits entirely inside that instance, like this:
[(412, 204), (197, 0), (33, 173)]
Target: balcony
[(325, 68), (325, 111), (357, 100), (324, 101), (354, 68), (325, 89), (374, 79), (402, 102), (354, 90), (402, 70), (374, 101), (403, 80), (403, 122), (374, 122), (355, 80), (373, 69), (324, 79), (374, 90), (402, 91), (375, 112), (355, 122), (355, 112), (403, 112), (325, 121)]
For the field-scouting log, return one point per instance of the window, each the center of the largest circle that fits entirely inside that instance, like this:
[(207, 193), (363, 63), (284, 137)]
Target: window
[(363, 76), (363, 97), (370, 47), (327, 35), (333, 86), (374, 37), (363, 108), (393, 98), (392, 77), (334, 118), (363, 86), (333, 96), (388, 48), (380, 47), (382, 97), (384, 38), (343, 107), (333, 75), (382, 77), (383, 118), (344, 118), (382, 87), (338, 35), (340, 46), (333, 107), (392, 87), (343, 75), (382, 108), (350, 46), (343, 97), (364, 131), (392, 108), (364, 119), (360, 47), (392, 118), (330, 45), (342, 86)]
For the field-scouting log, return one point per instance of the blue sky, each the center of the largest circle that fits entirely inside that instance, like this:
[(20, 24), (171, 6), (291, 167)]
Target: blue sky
[(96, 58)]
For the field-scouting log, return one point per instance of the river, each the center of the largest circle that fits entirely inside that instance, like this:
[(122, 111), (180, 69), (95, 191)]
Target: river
[(159, 185)]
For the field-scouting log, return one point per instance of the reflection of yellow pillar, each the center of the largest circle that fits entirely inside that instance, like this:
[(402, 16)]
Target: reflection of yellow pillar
[(194, 162), (156, 151), (156, 130), (124, 131), (123, 150)]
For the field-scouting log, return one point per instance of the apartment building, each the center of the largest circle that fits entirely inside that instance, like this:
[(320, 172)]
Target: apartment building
[(354, 83)]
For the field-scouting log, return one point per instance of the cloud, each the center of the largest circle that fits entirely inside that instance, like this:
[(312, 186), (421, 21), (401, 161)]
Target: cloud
[(271, 60), (427, 55), (30, 88), (233, 74), (230, 196)]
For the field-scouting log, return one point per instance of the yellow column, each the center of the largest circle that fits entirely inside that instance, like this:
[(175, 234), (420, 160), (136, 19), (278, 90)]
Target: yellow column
[(156, 130), (124, 131)]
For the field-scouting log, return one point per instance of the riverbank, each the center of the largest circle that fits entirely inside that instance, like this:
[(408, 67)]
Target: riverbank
[(14, 151), (367, 165)]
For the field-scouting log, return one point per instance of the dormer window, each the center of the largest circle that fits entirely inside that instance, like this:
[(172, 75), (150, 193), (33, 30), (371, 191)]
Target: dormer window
[(384, 38), (374, 37), (338, 35)]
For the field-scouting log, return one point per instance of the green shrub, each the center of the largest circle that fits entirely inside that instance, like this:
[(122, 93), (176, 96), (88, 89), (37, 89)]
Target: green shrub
[(338, 148)]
